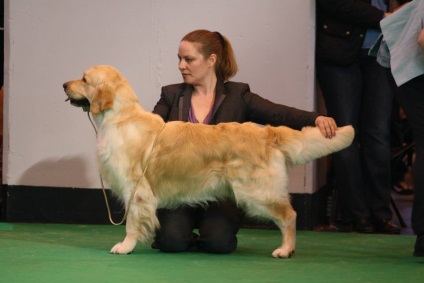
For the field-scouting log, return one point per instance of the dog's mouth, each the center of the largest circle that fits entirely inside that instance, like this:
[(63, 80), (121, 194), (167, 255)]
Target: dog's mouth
[(79, 102)]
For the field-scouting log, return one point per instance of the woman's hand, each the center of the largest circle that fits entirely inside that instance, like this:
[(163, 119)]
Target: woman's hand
[(327, 126)]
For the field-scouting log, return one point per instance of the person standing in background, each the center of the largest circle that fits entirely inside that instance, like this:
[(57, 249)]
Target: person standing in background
[(356, 92), (402, 49)]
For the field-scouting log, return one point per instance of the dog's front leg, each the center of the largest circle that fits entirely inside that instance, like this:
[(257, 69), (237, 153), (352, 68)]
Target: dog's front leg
[(141, 220), (130, 241)]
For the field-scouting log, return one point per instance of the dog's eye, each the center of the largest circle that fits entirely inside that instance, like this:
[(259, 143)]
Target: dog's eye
[(84, 80)]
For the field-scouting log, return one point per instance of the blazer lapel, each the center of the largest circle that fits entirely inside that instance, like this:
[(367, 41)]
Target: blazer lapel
[(184, 103), (219, 97)]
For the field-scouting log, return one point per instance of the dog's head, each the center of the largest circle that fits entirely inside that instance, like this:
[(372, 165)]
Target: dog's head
[(96, 89)]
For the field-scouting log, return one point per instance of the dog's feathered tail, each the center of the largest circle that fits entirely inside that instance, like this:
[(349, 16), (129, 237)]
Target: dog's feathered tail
[(301, 147)]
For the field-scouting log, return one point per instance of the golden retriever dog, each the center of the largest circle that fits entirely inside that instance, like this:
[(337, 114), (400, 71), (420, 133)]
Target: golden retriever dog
[(151, 164)]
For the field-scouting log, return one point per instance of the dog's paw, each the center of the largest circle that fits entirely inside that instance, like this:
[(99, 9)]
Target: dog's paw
[(122, 248), (282, 253)]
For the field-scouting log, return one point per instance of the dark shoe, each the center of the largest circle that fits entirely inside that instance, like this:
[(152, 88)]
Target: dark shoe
[(403, 188), (419, 246), (363, 225), (345, 227), (386, 227)]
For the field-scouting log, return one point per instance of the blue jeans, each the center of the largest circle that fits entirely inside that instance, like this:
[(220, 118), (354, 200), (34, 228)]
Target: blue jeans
[(360, 95)]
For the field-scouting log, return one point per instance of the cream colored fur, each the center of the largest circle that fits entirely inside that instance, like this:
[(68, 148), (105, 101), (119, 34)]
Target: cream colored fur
[(193, 163)]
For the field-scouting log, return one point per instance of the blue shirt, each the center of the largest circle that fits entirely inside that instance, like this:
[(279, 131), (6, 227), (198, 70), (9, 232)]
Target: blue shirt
[(372, 35)]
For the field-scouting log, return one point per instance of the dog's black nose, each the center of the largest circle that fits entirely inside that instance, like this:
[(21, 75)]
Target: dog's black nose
[(65, 85)]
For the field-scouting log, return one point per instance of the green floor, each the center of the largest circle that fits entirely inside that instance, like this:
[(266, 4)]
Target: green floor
[(79, 253)]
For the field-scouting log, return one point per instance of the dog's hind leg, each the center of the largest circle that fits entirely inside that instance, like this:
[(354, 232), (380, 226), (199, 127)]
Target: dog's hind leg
[(282, 214), (141, 220), (285, 218), (266, 196)]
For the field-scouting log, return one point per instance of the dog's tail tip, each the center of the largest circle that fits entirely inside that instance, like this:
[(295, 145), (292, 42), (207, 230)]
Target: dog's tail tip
[(348, 128), (314, 145), (348, 131)]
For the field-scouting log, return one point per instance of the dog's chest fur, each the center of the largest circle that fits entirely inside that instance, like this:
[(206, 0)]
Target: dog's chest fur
[(121, 153)]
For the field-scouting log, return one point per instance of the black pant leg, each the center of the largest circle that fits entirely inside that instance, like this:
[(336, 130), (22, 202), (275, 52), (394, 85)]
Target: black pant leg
[(176, 231), (218, 227), (411, 98)]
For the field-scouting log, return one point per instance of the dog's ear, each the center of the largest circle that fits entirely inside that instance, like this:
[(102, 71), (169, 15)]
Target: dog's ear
[(102, 100)]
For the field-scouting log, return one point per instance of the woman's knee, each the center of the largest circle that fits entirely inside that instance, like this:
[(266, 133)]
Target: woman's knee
[(218, 243), (173, 243), (219, 247), (175, 234)]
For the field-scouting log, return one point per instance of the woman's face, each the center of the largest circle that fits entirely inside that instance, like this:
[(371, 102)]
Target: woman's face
[(194, 67)]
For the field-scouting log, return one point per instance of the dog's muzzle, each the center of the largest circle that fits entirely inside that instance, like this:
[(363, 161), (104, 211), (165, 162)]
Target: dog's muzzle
[(84, 103)]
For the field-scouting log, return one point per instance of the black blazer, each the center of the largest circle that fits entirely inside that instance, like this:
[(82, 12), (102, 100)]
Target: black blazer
[(233, 103), (341, 26)]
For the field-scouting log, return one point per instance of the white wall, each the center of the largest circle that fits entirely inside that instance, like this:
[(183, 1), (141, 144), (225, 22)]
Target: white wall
[(47, 42)]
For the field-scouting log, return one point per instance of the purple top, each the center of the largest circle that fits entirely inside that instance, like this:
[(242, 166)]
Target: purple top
[(192, 118)]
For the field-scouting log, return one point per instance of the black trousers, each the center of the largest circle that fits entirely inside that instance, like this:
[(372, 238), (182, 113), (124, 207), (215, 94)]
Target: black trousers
[(411, 98), (218, 224)]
